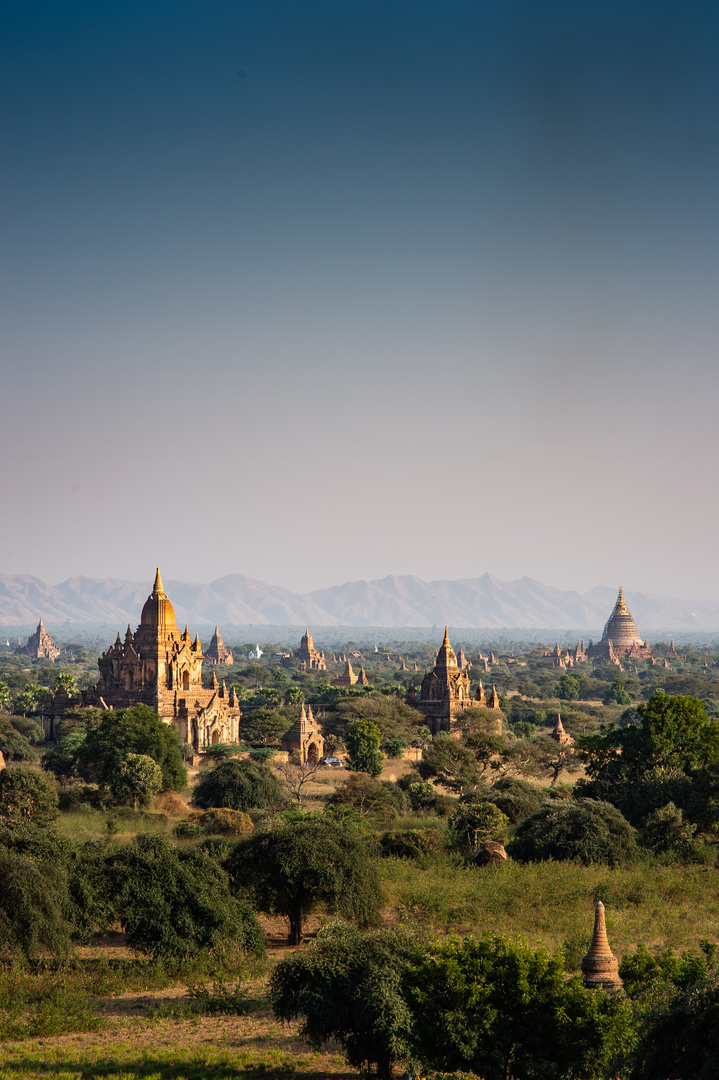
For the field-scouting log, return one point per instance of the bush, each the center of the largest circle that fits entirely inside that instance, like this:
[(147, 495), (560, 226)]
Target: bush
[(477, 820), (515, 798), (174, 903), (14, 746), (363, 740), (138, 779), (239, 785), (224, 822), (27, 796), (590, 832), (410, 843), (378, 798), (138, 730), (33, 901)]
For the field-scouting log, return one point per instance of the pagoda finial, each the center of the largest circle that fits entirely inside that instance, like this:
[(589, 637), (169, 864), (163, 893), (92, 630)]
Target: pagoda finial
[(446, 637), (157, 589)]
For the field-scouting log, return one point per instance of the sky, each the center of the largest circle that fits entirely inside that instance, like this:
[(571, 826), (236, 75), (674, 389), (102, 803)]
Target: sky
[(322, 290)]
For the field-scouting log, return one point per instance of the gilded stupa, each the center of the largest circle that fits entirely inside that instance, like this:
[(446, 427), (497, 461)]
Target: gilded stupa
[(620, 637)]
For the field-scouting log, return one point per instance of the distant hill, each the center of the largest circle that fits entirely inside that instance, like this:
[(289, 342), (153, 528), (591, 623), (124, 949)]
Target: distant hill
[(478, 603)]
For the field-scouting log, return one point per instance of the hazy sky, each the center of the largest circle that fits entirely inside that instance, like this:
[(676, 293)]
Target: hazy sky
[(315, 290)]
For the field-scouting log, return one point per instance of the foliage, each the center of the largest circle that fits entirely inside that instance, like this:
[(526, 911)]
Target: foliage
[(410, 843), (138, 779), (224, 822), (348, 986), (505, 1012), (643, 971), (682, 1039), (377, 798), (617, 694), (65, 681), (239, 785), (264, 727), (292, 867), (33, 900), (27, 796), (451, 763), (362, 739), (394, 718), (567, 688), (665, 829), (14, 746), (298, 775), (516, 798), (138, 730), (575, 829), (177, 903), (30, 700), (221, 1000), (476, 821), (394, 747)]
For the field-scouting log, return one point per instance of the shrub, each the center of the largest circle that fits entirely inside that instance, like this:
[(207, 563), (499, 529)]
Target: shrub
[(515, 798), (477, 820), (27, 796), (33, 901), (224, 822), (177, 903), (363, 739), (410, 843), (137, 779), (575, 829), (378, 798), (239, 785)]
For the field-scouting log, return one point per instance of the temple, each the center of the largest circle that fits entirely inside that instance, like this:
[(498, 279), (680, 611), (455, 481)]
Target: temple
[(40, 645), (304, 742), (620, 637), (445, 691), (216, 652), (310, 659), (348, 677), (161, 667)]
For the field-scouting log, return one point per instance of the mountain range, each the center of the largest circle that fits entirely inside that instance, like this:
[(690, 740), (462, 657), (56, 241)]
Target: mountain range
[(404, 601)]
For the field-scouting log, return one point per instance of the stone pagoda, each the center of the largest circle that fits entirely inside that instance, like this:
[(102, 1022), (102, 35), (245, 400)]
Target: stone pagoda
[(445, 691), (347, 678), (161, 667), (310, 659), (40, 645), (600, 967), (304, 742), (217, 653), (620, 638)]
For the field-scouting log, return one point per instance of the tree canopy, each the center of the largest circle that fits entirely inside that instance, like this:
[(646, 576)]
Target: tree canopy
[(580, 829), (292, 867), (239, 785)]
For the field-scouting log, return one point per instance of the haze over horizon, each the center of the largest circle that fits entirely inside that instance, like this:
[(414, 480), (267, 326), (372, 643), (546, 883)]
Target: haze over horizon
[(318, 291)]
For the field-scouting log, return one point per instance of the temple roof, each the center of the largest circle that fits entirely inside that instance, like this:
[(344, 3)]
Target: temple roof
[(621, 629), (157, 610), (446, 657)]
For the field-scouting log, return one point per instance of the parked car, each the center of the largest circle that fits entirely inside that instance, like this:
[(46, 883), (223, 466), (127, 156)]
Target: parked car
[(333, 762)]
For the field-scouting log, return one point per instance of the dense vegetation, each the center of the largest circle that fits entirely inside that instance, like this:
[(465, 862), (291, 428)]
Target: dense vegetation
[(100, 833)]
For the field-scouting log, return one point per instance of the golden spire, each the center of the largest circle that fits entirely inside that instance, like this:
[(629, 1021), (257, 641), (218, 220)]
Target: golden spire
[(157, 589)]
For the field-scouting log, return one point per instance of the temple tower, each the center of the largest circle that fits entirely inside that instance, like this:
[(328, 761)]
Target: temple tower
[(600, 967)]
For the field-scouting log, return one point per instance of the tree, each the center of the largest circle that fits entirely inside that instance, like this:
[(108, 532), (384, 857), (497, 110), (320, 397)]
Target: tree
[(27, 797), (362, 739), (263, 727), (239, 785), (366, 795), (30, 700), (451, 763), (298, 775), (580, 829), (553, 758), (682, 1040), (4, 696), (65, 681), (13, 745), (348, 986), (567, 688), (33, 898), (665, 829), (617, 694), (292, 867), (505, 1012), (476, 820), (138, 730), (174, 903), (138, 780)]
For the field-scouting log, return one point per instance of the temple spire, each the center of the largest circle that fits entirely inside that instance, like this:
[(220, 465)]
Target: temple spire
[(600, 966), (157, 589)]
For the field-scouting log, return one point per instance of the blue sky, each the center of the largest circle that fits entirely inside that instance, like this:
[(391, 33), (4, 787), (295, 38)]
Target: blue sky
[(316, 290)]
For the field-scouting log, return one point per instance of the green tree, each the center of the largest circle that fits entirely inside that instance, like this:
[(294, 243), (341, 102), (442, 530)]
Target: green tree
[(451, 763), (65, 681), (13, 745), (348, 986), (363, 739), (617, 694), (506, 1012), (138, 730), (293, 867), (174, 903), (4, 697), (30, 700), (567, 688), (476, 821), (377, 798), (682, 1039), (33, 898), (137, 780), (263, 727), (239, 785), (666, 829), (27, 797), (581, 829)]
